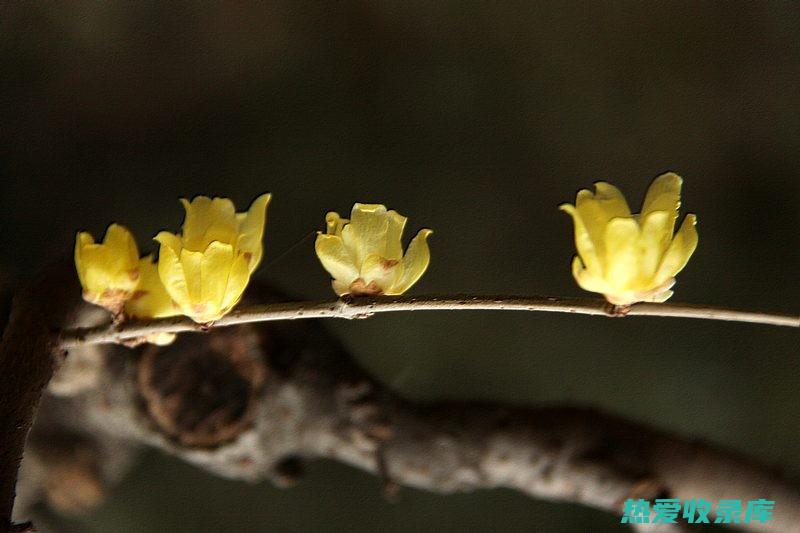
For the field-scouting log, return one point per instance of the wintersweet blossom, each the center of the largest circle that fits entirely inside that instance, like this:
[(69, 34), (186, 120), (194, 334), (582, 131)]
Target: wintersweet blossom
[(150, 300), (631, 258), (206, 267), (108, 271), (364, 255)]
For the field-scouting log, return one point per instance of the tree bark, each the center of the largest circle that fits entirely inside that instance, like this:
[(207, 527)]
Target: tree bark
[(29, 354), (255, 401)]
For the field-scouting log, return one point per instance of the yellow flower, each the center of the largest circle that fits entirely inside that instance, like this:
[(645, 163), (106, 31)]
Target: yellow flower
[(364, 255), (150, 300), (631, 258), (206, 268), (108, 272)]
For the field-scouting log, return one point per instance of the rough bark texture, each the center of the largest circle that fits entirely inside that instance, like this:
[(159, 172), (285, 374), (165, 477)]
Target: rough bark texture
[(254, 401), (28, 358)]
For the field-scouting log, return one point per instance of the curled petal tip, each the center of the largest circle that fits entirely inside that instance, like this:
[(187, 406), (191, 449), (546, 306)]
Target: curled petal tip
[(604, 187), (262, 201), (165, 237), (369, 208), (669, 175), (84, 238)]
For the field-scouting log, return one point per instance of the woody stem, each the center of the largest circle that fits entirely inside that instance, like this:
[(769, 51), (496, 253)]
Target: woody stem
[(362, 307)]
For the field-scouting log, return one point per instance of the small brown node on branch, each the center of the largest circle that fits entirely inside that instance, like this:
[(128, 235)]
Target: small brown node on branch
[(201, 390), (614, 310)]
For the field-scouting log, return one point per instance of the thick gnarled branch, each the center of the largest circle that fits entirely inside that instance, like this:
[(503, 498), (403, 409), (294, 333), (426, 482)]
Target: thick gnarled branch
[(251, 400), (265, 397)]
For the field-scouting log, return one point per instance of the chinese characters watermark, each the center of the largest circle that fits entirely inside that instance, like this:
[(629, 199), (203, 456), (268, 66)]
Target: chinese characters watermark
[(697, 511)]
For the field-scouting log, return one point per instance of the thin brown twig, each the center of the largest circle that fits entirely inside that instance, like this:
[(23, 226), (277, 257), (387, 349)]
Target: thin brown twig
[(362, 307)]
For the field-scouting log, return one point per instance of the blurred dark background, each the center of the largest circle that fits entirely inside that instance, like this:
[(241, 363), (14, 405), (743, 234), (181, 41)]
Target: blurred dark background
[(475, 119)]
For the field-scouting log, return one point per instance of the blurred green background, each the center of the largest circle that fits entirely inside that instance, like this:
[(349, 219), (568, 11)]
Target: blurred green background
[(475, 119)]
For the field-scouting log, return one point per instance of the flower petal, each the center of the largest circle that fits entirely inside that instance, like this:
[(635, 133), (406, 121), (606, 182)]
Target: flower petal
[(681, 249), (381, 271), (366, 233), (151, 299), (664, 194), (161, 339), (608, 199), (598, 209), (415, 262), (394, 235), (108, 271), (101, 271), (170, 240), (237, 282), (82, 241), (583, 240), (191, 262), (621, 253), (171, 272), (84, 238), (122, 244), (215, 267), (660, 297), (656, 235), (251, 230), (586, 279), (340, 288), (336, 259), (334, 223), (208, 220)]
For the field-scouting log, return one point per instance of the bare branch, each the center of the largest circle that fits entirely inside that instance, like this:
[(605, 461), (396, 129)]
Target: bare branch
[(311, 401), (350, 308), (273, 394)]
